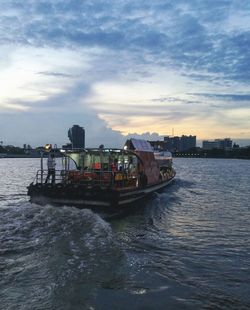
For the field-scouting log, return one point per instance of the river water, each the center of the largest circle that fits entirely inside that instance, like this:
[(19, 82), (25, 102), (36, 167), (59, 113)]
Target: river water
[(185, 248)]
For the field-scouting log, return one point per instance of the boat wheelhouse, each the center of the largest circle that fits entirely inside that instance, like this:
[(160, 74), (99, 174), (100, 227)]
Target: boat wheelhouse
[(104, 177)]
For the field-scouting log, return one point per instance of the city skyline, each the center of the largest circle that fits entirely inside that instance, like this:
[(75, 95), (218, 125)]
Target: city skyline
[(124, 69), (199, 143)]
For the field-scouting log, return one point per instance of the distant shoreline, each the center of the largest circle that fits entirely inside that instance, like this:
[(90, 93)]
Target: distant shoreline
[(174, 156), (210, 157), (18, 156)]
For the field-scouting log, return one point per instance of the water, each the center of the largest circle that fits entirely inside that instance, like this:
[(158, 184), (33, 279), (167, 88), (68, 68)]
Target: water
[(187, 248)]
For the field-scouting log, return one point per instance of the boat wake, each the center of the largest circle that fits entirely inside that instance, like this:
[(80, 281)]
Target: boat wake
[(58, 248)]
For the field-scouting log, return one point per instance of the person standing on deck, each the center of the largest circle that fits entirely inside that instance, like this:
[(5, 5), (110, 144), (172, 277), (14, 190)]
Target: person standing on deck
[(51, 168)]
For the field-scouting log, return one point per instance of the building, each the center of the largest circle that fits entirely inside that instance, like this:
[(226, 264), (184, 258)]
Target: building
[(187, 143), (175, 144), (179, 144), (208, 145), (223, 144), (171, 144), (76, 135)]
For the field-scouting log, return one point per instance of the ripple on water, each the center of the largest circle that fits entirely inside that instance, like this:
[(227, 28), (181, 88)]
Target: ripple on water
[(186, 248)]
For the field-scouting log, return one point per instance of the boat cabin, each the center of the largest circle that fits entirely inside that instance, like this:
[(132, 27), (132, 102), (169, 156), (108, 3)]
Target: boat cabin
[(133, 166), (105, 167)]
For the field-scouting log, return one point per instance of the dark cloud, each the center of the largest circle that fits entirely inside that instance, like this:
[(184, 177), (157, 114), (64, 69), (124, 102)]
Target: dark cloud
[(234, 97), (57, 74), (225, 101), (175, 100), (190, 34)]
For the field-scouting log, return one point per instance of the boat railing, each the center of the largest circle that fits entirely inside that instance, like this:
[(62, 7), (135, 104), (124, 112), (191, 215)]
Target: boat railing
[(91, 178), (43, 177)]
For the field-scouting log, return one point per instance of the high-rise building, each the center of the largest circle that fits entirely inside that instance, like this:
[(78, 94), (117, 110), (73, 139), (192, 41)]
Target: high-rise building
[(76, 135)]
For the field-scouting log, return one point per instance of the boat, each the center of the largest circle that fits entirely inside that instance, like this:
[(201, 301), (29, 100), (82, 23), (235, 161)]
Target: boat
[(104, 177)]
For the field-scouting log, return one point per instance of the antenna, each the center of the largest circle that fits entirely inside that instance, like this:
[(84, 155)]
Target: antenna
[(173, 131)]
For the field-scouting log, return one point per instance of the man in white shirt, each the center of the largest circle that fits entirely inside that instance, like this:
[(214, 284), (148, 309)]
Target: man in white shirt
[(51, 168)]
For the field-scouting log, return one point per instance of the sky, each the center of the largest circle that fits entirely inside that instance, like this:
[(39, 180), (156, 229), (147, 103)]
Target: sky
[(124, 68)]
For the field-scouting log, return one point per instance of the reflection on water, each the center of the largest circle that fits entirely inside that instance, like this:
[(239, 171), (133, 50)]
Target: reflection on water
[(187, 247)]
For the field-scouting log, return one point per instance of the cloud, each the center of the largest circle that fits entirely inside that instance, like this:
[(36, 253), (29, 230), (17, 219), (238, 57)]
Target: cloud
[(234, 97), (38, 129), (151, 136), (127, 66), (226, 101), (57, 74), (191, 35)]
